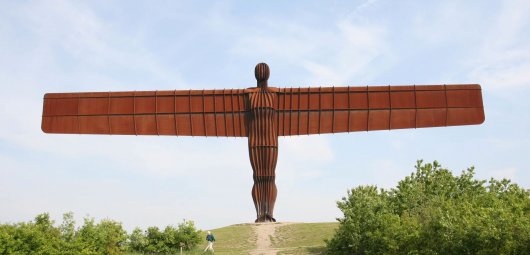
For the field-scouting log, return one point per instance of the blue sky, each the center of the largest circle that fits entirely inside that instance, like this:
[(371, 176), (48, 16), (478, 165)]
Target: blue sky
[(60, 46)]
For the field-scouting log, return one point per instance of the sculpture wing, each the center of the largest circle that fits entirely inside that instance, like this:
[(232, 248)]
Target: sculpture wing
[(323, 110), (179, 112)]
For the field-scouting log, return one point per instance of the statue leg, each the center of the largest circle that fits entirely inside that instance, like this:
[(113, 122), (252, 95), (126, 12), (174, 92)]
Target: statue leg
[(263, 160), (264, 195)]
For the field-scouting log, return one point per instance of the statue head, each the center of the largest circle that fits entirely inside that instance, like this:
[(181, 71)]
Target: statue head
[(262, 73)]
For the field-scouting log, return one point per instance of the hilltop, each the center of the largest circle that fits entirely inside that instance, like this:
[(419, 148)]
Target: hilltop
[(272, 238)]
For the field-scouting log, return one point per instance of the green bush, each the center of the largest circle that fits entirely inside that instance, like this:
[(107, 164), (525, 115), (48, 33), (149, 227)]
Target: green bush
[(106, 237), (39, 237), (169, 241), (434, 212)]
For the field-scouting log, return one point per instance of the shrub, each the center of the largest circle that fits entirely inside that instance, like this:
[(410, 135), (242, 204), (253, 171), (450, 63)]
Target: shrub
[(106, 237), (434, 212)]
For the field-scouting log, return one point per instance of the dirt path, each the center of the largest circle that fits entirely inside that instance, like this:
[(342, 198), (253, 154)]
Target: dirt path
[(264, 231)]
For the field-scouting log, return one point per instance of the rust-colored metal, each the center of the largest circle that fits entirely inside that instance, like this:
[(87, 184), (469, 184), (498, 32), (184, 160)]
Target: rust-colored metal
[(262, 114), (263, 144)]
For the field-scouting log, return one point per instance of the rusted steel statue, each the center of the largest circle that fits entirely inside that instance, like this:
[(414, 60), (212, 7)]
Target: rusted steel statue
[(262, 114)]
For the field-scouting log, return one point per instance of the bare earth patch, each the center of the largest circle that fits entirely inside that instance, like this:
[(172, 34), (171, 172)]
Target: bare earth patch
[(264, 232)]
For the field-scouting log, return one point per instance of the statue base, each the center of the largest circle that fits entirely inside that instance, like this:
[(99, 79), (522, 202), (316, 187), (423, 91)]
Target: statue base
[(265, 218)]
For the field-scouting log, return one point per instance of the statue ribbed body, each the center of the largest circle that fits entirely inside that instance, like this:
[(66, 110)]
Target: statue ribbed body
[(263, 152)]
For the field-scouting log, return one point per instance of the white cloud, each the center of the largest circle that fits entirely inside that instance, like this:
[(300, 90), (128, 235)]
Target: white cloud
[(352, 53), (74, 27), (443, 23), (503, 60), (277, 39), (362, 7), (330, 56), (71, 40), (504, 70)]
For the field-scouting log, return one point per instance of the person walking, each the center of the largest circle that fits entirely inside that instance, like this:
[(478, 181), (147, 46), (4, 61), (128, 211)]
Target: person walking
[(211, 239)]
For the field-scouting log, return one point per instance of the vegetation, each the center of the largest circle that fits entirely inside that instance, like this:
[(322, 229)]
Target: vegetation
[(169, 241), (296, 238), (106, 237), (434, 212)]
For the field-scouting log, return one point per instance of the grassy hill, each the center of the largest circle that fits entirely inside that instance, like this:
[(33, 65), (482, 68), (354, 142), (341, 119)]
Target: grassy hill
[(234, 239), (290, 238), (303, 238)]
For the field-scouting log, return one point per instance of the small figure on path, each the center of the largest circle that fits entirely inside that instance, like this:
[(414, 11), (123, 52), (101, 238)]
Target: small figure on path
[(211, 239)]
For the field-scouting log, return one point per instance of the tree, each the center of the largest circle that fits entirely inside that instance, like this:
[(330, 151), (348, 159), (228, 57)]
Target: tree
[(165, 242), (111, 237), (369, 225), (156, 241), (137, 241), (106, 237), (434, 212), (188, 235), (69, 244), (38, 237)]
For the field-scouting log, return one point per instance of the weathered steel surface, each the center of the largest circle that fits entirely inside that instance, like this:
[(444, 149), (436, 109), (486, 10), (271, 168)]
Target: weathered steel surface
[(303, 111), (262, 114), (263, 145), (178, 112)]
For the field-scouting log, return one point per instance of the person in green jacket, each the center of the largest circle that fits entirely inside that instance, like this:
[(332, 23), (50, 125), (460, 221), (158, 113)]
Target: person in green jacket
[(211, 239)]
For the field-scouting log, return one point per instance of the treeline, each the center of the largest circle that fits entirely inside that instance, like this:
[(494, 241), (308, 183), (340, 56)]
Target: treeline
[(41, 236), (434, 212)]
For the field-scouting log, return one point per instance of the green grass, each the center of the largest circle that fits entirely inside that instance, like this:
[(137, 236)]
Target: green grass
[(235, 239), (292, 239), (303, 238)]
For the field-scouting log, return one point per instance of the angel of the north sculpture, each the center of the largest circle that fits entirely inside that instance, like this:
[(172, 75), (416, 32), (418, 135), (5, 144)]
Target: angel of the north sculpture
[(262, 114)]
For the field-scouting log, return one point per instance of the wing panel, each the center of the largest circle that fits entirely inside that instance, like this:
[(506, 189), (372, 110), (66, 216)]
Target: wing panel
[(403, 99), (402, 118), (120, 124), (378, 120), (61, 106), (146, 124), (465, 116), (464, 98), (93, 125), (340, 122), (313, 122), (378, 100), (431, 117), (62, 124), (184, 113), (166, 124), (184, 125), (119, 105), (430, 99), (348, 109), (358, 121)]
